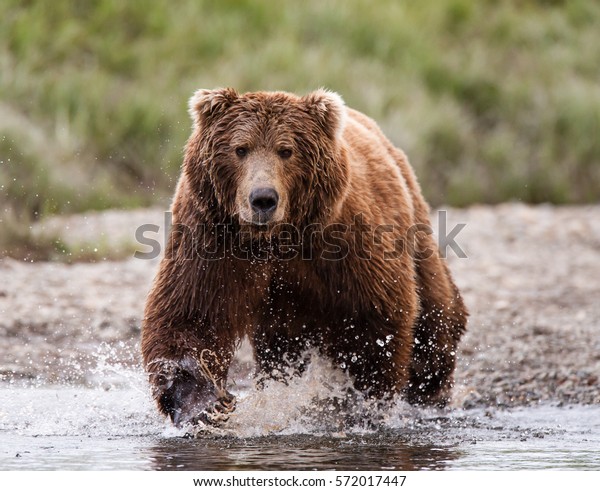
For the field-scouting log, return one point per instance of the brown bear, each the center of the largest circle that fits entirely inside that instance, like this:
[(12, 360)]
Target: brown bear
[(298, 224)]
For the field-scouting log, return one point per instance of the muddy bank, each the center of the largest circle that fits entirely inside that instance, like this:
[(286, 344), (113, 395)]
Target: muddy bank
[(531, 280)]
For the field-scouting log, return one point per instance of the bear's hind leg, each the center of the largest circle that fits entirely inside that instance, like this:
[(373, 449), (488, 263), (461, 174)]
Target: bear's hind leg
[(441, 323)]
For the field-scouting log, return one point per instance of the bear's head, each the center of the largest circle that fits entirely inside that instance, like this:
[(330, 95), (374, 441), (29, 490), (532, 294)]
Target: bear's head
[(266, 157)]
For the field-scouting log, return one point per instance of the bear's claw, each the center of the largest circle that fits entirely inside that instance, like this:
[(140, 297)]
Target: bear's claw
[(219, 412)]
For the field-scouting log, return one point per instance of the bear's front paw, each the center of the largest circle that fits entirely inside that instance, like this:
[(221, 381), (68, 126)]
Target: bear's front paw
[(186, 396), (217, 413)]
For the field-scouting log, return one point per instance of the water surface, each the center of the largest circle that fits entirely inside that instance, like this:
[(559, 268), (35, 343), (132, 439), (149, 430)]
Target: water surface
[(283, 427)]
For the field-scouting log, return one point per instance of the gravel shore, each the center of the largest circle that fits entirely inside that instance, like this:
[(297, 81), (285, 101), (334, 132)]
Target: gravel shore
[(531, 280)]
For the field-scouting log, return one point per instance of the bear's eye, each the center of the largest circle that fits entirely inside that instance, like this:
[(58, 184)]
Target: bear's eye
[(241, 151), (285, 153)]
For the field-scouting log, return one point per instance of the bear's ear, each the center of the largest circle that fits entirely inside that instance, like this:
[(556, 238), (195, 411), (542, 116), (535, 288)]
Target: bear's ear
[(329, 110), (205, 103)]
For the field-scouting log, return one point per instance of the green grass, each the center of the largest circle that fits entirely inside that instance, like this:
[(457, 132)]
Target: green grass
[(492, 101)]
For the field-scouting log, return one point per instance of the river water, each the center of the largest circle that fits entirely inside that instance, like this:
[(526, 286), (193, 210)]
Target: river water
[(300, 426)]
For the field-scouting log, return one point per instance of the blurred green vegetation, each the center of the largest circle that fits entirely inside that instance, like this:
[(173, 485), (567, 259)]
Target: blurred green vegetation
[(492, 101)]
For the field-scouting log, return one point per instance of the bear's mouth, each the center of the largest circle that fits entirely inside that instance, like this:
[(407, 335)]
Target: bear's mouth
[(262, 218), (257, 228), (259, 220)]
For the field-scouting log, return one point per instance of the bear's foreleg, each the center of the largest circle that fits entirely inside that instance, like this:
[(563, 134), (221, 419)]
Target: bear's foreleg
[(376, 352), (188, 377), (279, 355)]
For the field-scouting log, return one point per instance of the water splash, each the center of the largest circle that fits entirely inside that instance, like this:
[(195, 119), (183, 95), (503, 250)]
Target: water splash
[(320, 402), (114, 400), (315, 421)]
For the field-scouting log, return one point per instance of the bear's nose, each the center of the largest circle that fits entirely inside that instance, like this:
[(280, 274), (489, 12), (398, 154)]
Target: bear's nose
[(264, 200)]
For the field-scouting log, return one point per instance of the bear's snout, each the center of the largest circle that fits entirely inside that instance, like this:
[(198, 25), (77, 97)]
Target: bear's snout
[(263, 202)]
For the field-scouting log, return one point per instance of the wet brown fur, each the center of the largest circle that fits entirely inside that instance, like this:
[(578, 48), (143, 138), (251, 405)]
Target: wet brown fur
[(342, 166)]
